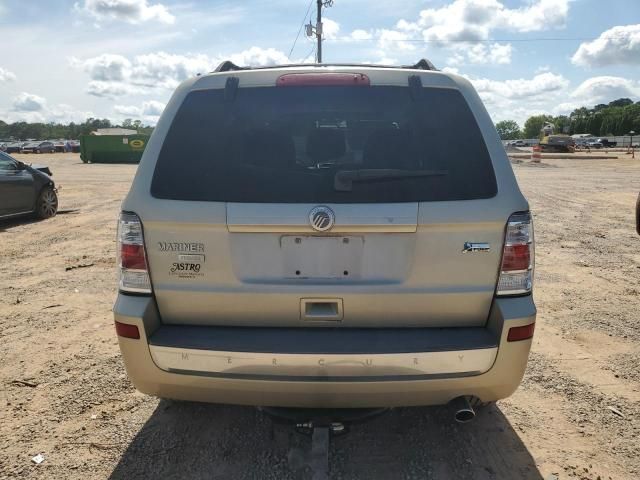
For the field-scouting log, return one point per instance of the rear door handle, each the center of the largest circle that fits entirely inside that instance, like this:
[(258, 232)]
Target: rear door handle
[(321, 309)]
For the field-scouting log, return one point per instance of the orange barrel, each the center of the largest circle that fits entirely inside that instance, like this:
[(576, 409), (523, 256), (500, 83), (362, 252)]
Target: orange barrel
[(536, 156)]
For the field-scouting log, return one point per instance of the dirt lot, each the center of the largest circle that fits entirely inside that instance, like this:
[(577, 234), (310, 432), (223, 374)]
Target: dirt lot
[(64, 392)]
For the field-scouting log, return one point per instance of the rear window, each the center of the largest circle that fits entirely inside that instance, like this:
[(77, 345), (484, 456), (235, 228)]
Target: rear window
[(329, 144)]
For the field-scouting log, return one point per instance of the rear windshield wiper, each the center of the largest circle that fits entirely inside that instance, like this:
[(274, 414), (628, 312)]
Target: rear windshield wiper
[(343, 181)]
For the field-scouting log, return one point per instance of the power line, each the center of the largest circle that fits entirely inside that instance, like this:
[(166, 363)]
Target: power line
[(311, 52), (486, 40), (299, 30)]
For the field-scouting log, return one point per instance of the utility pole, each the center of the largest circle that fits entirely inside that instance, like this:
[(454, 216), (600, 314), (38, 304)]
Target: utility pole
[(317, 30)]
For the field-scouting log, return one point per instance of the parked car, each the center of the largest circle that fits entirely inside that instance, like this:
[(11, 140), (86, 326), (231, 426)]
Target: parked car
[(14, 147), (73, 146), (594, 143), (38, 147), (321, 249), (26, 189), (520, 143), (58, 146), (606, 143)]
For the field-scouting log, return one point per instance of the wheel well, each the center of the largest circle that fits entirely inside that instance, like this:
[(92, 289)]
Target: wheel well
[(42, 189)]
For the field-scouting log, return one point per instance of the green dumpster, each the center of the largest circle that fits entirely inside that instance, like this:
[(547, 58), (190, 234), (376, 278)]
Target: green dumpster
[(112, 148)]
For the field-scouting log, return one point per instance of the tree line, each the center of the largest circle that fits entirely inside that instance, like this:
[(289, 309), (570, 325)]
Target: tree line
[(41, 131), (603, 120)]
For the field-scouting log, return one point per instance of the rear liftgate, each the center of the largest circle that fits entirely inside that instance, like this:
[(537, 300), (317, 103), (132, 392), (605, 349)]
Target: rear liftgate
[(322, 424)]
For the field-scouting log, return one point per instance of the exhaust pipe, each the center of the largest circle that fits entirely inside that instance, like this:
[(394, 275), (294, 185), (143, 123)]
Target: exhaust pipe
[(462, 410)]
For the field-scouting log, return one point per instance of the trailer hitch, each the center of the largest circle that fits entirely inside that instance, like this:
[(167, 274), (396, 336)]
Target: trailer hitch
[(320, 425)]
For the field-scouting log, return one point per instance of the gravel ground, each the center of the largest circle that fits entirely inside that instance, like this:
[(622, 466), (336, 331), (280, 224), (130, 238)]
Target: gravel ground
[(64, 393)]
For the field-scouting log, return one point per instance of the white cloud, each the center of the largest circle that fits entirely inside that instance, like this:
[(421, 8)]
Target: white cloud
[(257, 57), (605, 89), (6, 75), (131, 11), (27, 107), (540, 84), (330, 29), (166, 70), (547, 92), (112, 89), (517, 99), (394, 40), (115, 75), (540, 15), (480, 53), (128, 110), (64, 113), (386, 61), (462, 24), (473, 20), (618, 45), (149, 112), (28, 102), (153, 108), (29, 117), (453, 70), (359, 34), (107, 67), (597, 90)]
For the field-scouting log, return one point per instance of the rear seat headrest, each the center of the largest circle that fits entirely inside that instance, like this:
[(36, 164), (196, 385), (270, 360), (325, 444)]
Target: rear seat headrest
[(268, 148), (324, 144), (389, 148)]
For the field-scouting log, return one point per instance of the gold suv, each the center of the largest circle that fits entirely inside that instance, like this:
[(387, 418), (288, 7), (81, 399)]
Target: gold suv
[(325, 236)]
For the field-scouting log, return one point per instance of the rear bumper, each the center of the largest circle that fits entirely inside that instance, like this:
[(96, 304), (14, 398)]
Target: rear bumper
[(202, 364)]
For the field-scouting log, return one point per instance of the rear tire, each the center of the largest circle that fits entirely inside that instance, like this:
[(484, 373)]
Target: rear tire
[(47, 205)]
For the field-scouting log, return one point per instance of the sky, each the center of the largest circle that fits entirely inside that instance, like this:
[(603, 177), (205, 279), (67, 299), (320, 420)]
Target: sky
[(67, 60)]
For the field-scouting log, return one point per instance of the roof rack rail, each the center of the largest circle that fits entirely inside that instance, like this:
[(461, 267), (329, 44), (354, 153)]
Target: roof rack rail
[(229, 66)]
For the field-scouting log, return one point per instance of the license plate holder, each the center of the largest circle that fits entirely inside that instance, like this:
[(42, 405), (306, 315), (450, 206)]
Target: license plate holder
[(322, 257)]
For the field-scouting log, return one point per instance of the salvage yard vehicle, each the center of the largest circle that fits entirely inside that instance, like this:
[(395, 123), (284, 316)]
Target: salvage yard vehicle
[(605, 142), (26, 189), (58, 146), (319, 236), (38, 147), (600, 143), (14, 147)]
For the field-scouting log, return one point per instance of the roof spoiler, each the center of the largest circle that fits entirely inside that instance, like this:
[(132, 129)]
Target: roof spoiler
[(229, 66), (423, 64)]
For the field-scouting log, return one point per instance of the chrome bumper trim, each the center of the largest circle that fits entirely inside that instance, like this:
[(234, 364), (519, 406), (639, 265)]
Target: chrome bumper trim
[(455, 363)]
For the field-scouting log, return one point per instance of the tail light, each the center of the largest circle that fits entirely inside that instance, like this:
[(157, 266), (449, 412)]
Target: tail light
[(328, 79), (133, 271), (516, 271)]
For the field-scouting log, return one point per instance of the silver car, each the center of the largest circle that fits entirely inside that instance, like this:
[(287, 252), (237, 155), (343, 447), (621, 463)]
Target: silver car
[(325, 236)]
